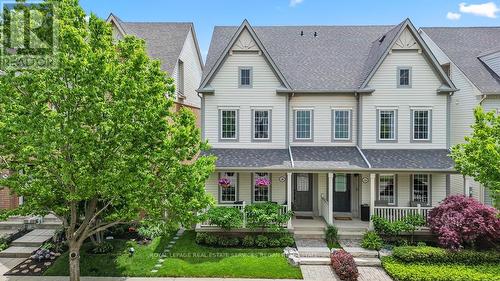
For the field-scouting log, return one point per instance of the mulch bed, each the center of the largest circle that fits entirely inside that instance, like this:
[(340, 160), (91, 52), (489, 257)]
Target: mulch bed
[(31, 267)]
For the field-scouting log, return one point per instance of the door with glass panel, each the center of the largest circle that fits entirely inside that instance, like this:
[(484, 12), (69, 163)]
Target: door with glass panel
[(342, 193), (303, 193)]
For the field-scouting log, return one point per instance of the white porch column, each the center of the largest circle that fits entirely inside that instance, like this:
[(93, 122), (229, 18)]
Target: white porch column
[(372, 197), (330, 198), (289, 196)]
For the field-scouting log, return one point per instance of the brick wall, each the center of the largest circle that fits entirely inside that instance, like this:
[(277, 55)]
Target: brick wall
[(195, 110), (7, 200)]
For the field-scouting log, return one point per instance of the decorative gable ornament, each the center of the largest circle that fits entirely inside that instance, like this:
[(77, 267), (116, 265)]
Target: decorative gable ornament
[(406, 41)]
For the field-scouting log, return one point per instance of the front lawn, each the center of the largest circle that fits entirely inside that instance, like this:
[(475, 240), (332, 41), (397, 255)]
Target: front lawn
[(186, 259)]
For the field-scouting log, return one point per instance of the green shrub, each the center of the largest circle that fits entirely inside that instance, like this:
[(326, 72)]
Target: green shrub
[(102, 248), (391, 230), (3, 246), (437, 272), (434, 255), (266, 216), (286, 240), (248, 241), (150, 229), (261, 241), (421, 244), (225, 217), (211, 240), (225, 241), (274, 242), (201, 237), (331, 234), (372, 241)]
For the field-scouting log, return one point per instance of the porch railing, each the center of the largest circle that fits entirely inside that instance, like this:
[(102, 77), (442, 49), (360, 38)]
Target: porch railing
[(396, 213), (241, 208)]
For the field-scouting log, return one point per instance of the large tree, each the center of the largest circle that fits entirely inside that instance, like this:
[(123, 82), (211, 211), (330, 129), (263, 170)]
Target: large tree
[(95, 141), (479, 156)]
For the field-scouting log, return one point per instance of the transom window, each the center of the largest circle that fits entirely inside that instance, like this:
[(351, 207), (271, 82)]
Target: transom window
[(421, 184), (228, 192), (261, 121), (404, 76), (303, 124), (341, 124), (386, 190), (261, 192), (245, 77), (229, 119), (387, 124), (340, 183), (421, 124)]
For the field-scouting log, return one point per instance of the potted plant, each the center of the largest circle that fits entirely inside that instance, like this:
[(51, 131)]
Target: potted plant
[(224, 182), (262, 182)]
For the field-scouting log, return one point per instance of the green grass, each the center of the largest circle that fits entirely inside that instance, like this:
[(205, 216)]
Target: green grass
[(186, 259), (401, 271)]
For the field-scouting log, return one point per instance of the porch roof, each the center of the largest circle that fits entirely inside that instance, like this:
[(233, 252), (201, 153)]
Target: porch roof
[(240, 158), (410, 159), (327, 157)]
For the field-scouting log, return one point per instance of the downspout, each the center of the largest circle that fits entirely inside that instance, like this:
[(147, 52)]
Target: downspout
[(202, 115), (448, 121), (482, 99), (287, 130), (358, 119)]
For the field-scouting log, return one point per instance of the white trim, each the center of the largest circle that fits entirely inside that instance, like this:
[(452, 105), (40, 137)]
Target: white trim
[(235, 123), (428, 187), (429, 124), (224, 174), (394, 124), (295, 111)]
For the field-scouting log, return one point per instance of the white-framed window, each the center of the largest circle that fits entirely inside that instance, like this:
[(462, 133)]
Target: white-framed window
[(228, 124), (421, 188), (261, 124), (341, 124), (387, 124), (303, 124), (261, 193), (404, 77), (387, 189), (245, 77), (340, 183), (421, 124), (302, 182), (228, 193)]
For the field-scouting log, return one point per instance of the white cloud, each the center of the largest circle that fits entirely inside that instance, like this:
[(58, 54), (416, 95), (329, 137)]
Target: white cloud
[(489, 9), (294, 3), (453, 16)]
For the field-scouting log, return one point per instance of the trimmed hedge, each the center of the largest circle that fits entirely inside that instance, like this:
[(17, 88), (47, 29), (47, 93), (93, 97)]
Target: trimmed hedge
[(438, 272), (426, 254), (262, 241)]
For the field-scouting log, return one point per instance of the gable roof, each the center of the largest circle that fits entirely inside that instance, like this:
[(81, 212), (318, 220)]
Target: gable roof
[(464, 46), (339, 58), (164, 40)]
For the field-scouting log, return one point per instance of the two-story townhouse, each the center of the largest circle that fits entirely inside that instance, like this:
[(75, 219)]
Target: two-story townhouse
[(332, 117), (471, 57), (176, 46)]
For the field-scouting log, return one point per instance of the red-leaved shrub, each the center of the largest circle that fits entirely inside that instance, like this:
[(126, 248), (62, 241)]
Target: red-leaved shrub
[(344, 265), (461, 221)]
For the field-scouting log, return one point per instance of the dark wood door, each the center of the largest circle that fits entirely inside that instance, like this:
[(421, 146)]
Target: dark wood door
[(342, 193), (303, 192)]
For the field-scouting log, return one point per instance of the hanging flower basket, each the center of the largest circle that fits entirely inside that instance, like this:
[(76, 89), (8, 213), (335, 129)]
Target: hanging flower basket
[(262, 182), (225, 183)]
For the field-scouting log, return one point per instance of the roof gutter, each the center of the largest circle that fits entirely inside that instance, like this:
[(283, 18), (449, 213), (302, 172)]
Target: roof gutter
[(327, 169)]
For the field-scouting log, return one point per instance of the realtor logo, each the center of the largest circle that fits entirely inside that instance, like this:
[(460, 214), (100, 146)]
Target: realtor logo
[(28, 35)]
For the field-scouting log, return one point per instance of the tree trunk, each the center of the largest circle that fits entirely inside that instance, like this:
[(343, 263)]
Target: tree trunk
[(74, 262)]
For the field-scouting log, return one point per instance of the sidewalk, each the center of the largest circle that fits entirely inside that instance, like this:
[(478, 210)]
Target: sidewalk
[(44, 278)]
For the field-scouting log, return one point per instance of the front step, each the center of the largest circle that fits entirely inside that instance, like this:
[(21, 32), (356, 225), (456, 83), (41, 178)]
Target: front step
[(315, 261), (309, 228), (373, 262), (11, 225), (18, 252), (309, 234), (351, 235), (314, 252), (359, 252)]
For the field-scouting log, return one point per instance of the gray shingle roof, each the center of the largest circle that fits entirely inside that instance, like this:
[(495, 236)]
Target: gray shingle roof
[(250, 158), (164, 40), (327, 157), (334, 60), (421, 159), (463, 45)]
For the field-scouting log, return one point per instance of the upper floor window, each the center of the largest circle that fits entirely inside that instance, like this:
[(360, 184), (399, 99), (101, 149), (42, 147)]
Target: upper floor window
[(228, 185), (180, 77), (261, 124), (303, 124), (228, 124), (387, 124), (245, 77), (261, 187), (341, 124), (387, 189), (421, 124), (421, 189), (404, 77)]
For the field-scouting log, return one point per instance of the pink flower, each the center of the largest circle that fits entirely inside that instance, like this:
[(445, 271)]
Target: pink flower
[(262, 182), (224, 182)]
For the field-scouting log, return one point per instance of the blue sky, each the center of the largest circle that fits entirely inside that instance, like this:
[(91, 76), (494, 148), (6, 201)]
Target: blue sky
[(207, 13)]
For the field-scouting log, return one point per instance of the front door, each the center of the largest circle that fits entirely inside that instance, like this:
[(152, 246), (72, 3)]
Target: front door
[(303, 193), (342, 193)]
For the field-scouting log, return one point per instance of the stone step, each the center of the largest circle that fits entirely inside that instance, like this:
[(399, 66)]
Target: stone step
[(307, 228), (352, 229), (11, 224), (352, 235), (374, 262), (18, 252), (359, 252), (315, 261), (309, 234), (47, 225), (314, 252)]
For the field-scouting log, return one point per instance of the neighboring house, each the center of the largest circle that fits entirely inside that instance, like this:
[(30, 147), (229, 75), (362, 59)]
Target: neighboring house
[(334, 116), (176, 46), (471, 57)]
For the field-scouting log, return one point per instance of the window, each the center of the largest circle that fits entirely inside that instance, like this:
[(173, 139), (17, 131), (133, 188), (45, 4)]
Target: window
[(404, 77), (228, 193), (302, 182), (229, 119), (421, 188), (386, 189), (421, 124), (261, 124), (303, 124), (245, 77), (341, 124), (261, 192), (340, 183), (387, 124), (180, 77)]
